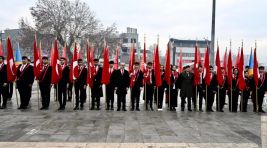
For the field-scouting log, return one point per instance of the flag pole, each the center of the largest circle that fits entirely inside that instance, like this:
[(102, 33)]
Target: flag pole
[(218, 95), (158, 98), (145, 94), (257, 101), (73, 95), (231, 96), (106, 96), (38, 94), (169, 96), (196, 98), (55, 99), (206, 97), (242, 95), (89, 97), (58, 105), (16, 95)]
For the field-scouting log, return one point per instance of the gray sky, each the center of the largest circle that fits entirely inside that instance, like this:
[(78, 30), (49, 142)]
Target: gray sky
[(183, 19)]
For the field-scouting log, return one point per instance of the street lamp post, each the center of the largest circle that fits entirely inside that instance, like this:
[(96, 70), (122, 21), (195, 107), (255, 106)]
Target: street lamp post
[(213, 32)]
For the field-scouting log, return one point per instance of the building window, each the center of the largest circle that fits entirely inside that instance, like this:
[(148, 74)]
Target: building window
[(133, 40), (125, 40)]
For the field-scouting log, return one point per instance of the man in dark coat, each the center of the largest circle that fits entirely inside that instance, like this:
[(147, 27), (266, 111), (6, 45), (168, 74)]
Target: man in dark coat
[(3, 83), (233, 101), (174, 88), (159, 92), (262, 88), (246, 92), (149, 86), (80, 85), (186, 86), (63, 84), (137, 80), (211, 90), (45, 83), (25, 79), (96, 89), (122, 86), (222, 92), (111, 86)]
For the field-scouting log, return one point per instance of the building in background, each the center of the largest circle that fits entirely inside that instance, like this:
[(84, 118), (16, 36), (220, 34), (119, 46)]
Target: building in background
[(188, 50), (131, 36)]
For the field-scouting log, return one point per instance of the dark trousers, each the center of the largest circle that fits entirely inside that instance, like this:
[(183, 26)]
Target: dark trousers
[(244, 101), (80, 95), (135, 97), (121, 99), (110, 96), (159, 93), (220, 99), (260, 100), (70, 91), (45, 94), (173, 99), (233, 102), (148, 95), (210, 100), (25, 95), (188, 103), (10, 90), (62, 95), (201, 96), (3, 95)]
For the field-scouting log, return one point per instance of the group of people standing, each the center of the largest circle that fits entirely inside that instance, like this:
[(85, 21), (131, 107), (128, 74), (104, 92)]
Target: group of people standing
[(122, 80)]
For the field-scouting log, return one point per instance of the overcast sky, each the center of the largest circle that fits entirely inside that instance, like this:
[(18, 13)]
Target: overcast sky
[(182, 19)]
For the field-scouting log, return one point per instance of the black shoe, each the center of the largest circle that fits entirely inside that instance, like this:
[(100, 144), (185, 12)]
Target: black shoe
[(42, 108), (118, 109), (112, 108), (200, 110), (97, 108), (92, 108), (182, 109), (137, 109), (132, 109), (190, 110), (151, 108), (76, 108), (60, 108), (107, 108), (81, 108), (221, 110), (124, 110), (261, 111)]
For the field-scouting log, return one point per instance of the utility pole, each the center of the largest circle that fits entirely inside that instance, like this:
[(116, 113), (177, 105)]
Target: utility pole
[(212, 32)]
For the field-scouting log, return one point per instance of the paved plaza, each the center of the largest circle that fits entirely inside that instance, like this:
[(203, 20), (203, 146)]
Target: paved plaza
[(140, 129)]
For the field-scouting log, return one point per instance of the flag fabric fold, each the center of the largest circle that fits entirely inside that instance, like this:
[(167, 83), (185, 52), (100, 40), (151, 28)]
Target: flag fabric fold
[(157, 67), (36, 60), (241, 80), (196, 72), (255, 69), (74, 65), (229, 70), (56, 66), (219, 70), (207, 77), (105, 76), (11, 67), (167, 75), (1, 49), (143, 63), (116, 60), (180, 64)]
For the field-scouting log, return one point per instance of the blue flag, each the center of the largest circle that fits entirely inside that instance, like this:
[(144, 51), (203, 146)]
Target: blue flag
[(18, 59), (251, 64)]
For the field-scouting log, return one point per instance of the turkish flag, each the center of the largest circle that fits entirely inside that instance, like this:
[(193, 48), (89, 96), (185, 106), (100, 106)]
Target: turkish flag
[(167, 75), (132, 58), (143, 63), (74, 65), (237, 60), (180, 64), (255, 68), (230, 70), (90, 65), (116, 60), (225, 61), (105, 73), (1, 49), (219, 70), (37, 60), (196, 72), (241, 80), (157, 67), (207, 67), (56, 66), (11, 67)]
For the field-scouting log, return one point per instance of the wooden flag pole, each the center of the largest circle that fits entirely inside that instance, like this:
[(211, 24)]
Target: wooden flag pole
[(16, 95), (218, 95), (206, 97), (231, 96), (196, 98), (242, 101), (257, 100), (169, 96), (38, 94), (89, 97), (145, 95)]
